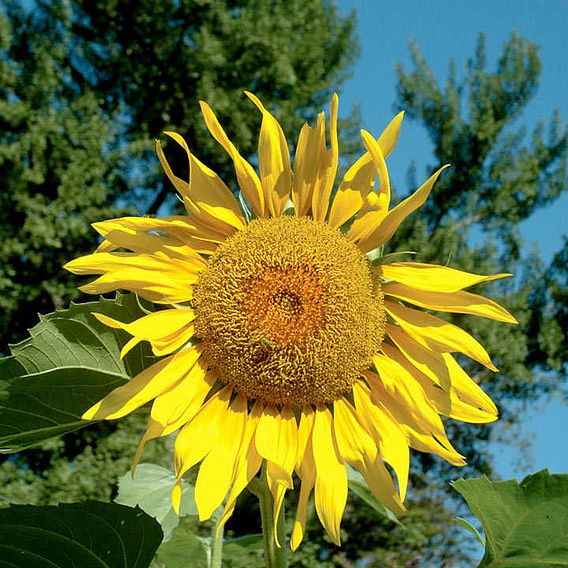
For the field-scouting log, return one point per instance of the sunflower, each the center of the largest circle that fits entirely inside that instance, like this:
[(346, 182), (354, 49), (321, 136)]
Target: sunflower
[(282, 342)]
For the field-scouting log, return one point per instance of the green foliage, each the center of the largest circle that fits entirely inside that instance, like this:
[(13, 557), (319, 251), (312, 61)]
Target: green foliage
[(151, 489), (550, 324), (524, 523), (89, 535), (499, 177), (183, 549), (69, 363), (158, 60), (56, 166)]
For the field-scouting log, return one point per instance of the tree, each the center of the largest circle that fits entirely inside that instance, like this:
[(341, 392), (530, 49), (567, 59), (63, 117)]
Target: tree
[(500, 176), (158, 60), (56, 165)]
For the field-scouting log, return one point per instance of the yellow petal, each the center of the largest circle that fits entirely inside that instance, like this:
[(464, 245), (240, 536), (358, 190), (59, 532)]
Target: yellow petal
[(197, 438), (248, 462), (145, 386), (387, 227), (157, 326), (246, 176), (168, 289), (304, 458), (142, 242), (216, 471), (278, 473), (377, 202), (437, 334), (445, 401), (328, 168), (424, 359), (433, 278), (277, 442), (389, 137), (421, 434), (306, 470), (358, 181), (206, 196), (308, 159), (177, 231), (102, 262), (392, 444), (178, 406), (181, 186), (374, 149), (456, 302), (466, 388), (274, 161), (153, 430), (358, 449), (214, 203), (364, 226), (442, 370), (155, 277), (331, 475), (398, 382)]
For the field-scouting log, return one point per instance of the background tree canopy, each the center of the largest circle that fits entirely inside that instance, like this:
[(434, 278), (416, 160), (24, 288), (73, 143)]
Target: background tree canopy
[(85, 87)]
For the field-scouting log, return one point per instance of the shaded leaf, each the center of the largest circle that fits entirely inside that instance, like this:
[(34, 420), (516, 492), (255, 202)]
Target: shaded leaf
[(182, 550), (69, 362), (524, 523), (91, 534), (243, 544), (151, 490)]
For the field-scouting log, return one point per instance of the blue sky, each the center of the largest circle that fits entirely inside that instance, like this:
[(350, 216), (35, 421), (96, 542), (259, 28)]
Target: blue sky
[(446, 29)]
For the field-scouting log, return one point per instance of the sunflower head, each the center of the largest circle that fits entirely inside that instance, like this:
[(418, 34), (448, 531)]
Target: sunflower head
[(281, 343), (289, 312)]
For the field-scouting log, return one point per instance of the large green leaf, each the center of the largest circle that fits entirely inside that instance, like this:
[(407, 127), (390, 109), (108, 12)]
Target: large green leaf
[(525, 523), (69, 362), (92, 534), (183, 549), (151, 489)]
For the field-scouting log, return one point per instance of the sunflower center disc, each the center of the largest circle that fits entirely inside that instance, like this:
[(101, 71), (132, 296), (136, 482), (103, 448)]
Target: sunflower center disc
[(289, 312)]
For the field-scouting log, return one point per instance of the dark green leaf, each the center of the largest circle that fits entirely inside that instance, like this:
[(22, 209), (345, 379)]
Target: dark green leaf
[(69, 362), (524, 523), (151, 490), (91, 534)]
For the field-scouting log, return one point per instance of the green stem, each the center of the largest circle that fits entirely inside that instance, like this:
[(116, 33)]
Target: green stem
[(275, 556), (217, 545)]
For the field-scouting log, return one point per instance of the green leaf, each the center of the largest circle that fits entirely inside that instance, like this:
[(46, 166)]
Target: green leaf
[(469, 527), (358, 485), (524, 523), (151, 490), (182, 550), (91, 534), (69, 362), (243, 544)]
